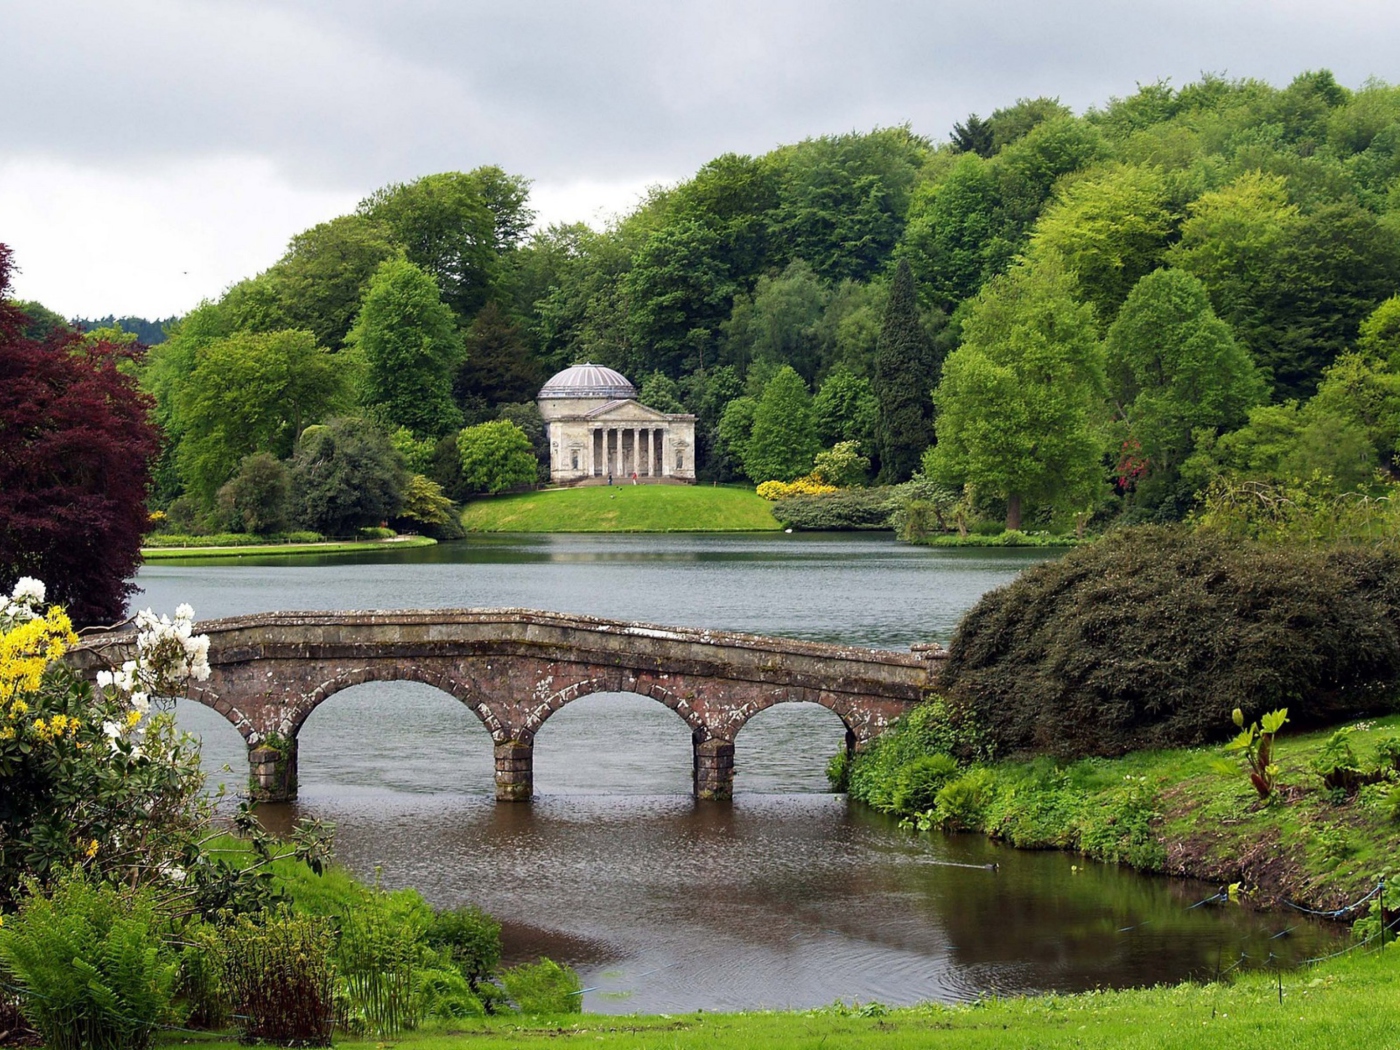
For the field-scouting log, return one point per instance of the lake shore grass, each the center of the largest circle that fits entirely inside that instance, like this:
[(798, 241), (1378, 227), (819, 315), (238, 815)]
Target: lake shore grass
[(1348, 1003), (624, 508), (291, 549)]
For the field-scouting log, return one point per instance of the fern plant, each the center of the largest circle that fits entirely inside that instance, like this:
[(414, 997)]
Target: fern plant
[(93, 965)]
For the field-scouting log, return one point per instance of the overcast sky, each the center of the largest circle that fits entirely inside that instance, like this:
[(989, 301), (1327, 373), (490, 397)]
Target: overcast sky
[(154, 151)]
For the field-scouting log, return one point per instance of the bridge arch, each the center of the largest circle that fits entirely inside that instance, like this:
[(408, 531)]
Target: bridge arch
[(537, 715)]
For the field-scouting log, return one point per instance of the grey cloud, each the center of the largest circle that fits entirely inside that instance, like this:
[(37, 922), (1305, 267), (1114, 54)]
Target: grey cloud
[(353, 93)]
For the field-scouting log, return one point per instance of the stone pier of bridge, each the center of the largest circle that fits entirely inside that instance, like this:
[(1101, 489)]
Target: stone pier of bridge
[(513, 668)]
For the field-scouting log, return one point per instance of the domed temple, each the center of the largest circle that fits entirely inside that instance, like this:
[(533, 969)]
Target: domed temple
[(598, 430)]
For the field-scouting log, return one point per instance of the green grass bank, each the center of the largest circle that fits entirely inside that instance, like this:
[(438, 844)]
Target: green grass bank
[(1190, 812), (1349, 1003), (251, 550), (624, 508)]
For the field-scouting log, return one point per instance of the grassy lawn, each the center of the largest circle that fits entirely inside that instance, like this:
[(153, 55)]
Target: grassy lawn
[(1351, 1002), (624, 508), (263, 549)]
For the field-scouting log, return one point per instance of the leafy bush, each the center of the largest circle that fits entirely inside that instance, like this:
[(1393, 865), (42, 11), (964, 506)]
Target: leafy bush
[(444, 995), (231, 539), (926, 730), (202, 988), (544, 987), (918, 783), (375, 532), (471, 939), (962, 803), (845, 509), (807, 485), (1152, 636), (92, 964), (279, 974)]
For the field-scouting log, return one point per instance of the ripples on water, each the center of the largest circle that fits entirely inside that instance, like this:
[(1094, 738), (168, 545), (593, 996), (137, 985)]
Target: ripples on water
[(786, 897)]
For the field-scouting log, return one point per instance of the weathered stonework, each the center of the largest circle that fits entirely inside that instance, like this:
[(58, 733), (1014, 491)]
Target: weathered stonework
[(515, 667)]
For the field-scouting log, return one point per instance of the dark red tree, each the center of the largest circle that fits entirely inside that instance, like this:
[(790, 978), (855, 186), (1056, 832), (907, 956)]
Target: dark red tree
[(76, 447)]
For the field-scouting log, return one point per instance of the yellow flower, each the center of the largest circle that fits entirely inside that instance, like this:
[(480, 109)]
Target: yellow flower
[(91, 850), (132, 719)]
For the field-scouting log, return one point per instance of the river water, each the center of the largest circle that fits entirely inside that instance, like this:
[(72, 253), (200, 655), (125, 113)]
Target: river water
[(786, 897)]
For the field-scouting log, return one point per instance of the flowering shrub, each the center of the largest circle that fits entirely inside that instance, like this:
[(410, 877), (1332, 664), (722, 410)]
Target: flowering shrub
[(91, 776), (809, 485)]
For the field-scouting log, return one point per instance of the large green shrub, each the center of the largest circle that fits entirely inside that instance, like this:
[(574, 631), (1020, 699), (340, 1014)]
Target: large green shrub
[(1151, 637), (845, 509), (92, 963), (471, 938)]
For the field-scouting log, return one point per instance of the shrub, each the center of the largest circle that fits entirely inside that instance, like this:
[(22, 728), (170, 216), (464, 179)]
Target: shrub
[(203, 985), (918, 783), (809, 485), (544, 987), (92, 964), (471, 938), (1152, 636), (961, 804), (280, 979), (846, 509), (375, 532), (929, 729), (841, 465), (444, 995)]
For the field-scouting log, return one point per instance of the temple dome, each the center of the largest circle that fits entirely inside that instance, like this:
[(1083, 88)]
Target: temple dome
[(589, 381)]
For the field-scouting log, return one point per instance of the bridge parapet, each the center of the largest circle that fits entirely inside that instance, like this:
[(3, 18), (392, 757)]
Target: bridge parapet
[(516, 667)]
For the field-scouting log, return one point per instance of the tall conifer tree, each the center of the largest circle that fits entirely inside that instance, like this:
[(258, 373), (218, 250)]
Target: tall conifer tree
[(903, 383)]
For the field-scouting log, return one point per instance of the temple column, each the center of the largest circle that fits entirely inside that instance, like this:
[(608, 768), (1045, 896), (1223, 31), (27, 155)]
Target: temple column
[(714, 769), (515, 771), (661, 452), (272, 770), (644, 461)]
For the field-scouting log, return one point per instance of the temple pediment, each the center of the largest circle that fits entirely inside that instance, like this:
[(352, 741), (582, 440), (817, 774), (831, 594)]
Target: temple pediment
[(628, 411)]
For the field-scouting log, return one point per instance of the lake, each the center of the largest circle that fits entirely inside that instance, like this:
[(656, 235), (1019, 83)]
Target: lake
[(786, 897)]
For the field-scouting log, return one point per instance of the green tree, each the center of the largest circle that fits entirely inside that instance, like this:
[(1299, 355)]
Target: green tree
[(445, 225), (323, 278), (784, 438), (958, 234), (780, 324), (845, 409), (251, 392), (257, 498), (346, 475), (1111, 227), (841, 465), (496, 456), (526, 415), (905, 374), (410, 347), (1021, 400), (659, 391), (1174, 368), (498, 369), (735, 429), (1380, 334), (680, 290)]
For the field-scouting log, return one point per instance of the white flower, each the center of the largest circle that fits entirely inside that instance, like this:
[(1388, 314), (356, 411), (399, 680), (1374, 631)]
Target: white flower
[(112, 730), (145, 620), (184, 611), (28, 591), (105, 679), (141, 702)]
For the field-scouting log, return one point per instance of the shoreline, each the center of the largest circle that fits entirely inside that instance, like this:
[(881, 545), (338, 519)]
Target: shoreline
[(285, 549)]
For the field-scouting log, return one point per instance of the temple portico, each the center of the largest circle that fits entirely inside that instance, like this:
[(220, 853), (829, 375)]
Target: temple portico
[(598, 429)]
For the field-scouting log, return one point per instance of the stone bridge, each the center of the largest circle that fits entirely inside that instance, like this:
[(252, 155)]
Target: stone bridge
[(515, 667)]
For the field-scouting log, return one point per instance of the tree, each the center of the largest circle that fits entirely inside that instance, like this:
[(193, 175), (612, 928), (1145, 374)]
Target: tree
[(257, 498), (845, 409), (526, 415), (445, 226), (346, 475), (781, 323), (424, 505), (1021, 400), (326, 272), (735, 429), (1175, 368), (958, 234), (410, 347), (496, 456), (498, 368), (1111, 226), (680, 290), (659, 391), (251, 392), (1380, 334), (905, 374), (76, 447), (784, 438)]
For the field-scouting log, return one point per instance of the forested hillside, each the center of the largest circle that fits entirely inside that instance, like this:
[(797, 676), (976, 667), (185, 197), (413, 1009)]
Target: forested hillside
[(1116, 309)]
